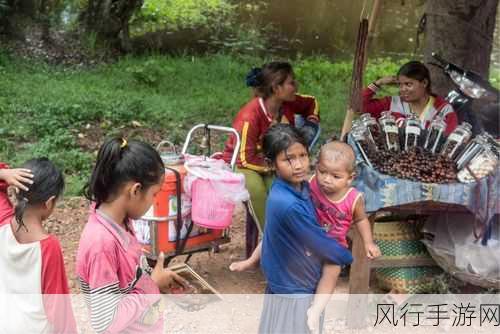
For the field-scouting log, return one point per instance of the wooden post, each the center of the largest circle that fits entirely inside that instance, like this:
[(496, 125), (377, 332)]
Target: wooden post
[(359, 281)]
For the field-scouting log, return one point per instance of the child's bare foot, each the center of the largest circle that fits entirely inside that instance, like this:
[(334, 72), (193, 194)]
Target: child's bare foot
[(243, 265), (313, 316)]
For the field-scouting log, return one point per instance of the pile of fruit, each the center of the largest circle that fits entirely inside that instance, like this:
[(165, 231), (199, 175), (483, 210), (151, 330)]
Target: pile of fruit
[(416, 165)]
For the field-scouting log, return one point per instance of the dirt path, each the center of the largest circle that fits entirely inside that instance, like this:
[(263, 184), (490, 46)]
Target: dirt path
[(68, 221)]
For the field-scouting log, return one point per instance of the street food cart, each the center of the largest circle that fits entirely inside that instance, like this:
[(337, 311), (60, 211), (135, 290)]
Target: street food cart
[(168, 226)]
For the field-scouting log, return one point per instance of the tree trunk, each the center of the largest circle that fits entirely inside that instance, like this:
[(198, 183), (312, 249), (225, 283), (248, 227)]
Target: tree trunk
[(44, 19), (109, 20), (461, 31), (26, 7), (20, 12), (23, 14)]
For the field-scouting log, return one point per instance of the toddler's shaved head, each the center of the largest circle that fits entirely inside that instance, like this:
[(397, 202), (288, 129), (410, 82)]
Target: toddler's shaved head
[(339, 151)]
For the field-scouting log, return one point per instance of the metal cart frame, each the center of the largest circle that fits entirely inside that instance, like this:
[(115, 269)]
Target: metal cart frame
[(182, 247)]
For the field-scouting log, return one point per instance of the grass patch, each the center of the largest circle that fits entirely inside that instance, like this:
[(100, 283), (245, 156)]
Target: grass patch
[(53, 111)]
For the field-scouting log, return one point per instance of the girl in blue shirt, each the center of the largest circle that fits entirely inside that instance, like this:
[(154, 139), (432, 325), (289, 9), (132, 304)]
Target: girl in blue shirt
[(294, 246)]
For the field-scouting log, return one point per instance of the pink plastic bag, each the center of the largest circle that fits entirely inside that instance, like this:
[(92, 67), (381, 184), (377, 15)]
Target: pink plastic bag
[(214, 191)]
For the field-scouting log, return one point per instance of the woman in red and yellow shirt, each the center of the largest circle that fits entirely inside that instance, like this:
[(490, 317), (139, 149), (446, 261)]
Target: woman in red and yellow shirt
[(276, 101)]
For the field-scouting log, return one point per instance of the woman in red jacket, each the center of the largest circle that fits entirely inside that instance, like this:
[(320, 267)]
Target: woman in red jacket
[(276, 101), (415, 97)]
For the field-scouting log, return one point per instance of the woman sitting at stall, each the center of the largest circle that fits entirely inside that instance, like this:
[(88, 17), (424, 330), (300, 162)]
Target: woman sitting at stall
[(304, 109), (275, 101), (415, 97)]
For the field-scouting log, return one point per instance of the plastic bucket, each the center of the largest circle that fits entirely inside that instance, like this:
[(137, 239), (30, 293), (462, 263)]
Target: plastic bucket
[(165, 202)]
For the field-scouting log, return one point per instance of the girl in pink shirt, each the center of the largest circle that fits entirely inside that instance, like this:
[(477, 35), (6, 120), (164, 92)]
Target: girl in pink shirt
[(121, 290), (33, 285)]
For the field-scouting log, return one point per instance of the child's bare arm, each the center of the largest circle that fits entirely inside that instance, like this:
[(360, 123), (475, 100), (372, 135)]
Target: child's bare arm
[(364, 229)]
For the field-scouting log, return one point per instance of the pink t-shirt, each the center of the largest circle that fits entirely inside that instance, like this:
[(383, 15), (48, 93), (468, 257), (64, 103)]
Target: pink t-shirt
[(336, 217), (113, 278)]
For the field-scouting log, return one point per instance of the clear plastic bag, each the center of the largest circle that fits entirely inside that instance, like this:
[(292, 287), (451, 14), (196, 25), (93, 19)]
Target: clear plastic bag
[(454, 247), (142, 230)]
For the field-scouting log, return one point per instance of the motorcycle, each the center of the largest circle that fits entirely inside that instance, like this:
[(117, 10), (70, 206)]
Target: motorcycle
[(471, 86)]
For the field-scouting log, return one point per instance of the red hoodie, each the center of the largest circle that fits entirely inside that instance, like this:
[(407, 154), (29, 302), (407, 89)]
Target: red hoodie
[(252, 122)]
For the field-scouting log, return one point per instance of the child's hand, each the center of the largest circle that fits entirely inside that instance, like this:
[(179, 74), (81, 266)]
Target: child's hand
[(165, 278), (372, 251), (18, 177)]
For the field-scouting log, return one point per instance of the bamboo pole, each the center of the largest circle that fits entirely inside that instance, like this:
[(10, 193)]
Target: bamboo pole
[(355, 105), (377, 5), (372, 24)]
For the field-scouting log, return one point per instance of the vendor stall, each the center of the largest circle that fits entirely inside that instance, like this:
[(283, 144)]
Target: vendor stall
[(468, 186), (390, 194)]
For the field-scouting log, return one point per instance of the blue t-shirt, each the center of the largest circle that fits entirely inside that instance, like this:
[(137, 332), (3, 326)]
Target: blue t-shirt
[(295, 246)]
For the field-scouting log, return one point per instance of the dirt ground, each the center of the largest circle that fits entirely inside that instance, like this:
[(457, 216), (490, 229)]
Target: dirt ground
[(70, 217)]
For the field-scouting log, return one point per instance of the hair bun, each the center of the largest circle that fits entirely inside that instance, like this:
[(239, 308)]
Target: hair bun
[(253, 78)]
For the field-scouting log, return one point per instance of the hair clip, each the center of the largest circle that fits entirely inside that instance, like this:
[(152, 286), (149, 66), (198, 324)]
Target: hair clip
[(124, 143), (253, 77)]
